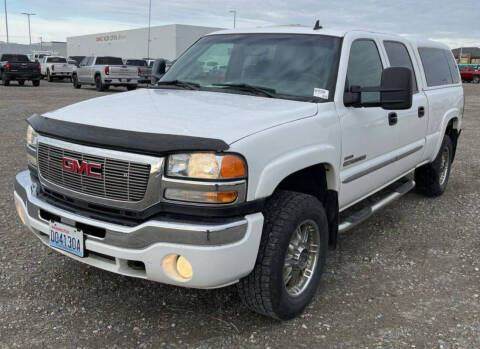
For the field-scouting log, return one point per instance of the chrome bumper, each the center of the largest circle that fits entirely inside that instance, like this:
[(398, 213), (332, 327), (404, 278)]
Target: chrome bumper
[(220, 253)]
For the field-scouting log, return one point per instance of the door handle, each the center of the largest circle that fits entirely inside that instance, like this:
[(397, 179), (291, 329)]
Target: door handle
[(421, 112), (392, 119)]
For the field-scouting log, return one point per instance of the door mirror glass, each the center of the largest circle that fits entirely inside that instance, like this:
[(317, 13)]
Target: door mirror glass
[(396, 88)]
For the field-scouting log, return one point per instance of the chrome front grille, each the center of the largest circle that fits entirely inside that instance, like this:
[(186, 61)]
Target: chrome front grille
[(120, 180)]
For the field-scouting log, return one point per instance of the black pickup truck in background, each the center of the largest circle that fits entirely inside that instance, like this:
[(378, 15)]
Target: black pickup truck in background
[(20, 68)]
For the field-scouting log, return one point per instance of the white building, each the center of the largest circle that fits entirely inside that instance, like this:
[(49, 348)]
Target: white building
[(167, 41)]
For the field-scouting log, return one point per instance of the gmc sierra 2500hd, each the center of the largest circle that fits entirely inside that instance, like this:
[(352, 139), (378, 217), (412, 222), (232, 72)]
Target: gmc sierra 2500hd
[(239, 167)]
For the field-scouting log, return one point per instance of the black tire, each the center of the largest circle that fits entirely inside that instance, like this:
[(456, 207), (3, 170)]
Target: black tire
[(264, 290), (75, 82), (432, 179), (131, 87), (476, 79), (5, 81), (21, 82), (36, 83), (49, 77), (99, 84)]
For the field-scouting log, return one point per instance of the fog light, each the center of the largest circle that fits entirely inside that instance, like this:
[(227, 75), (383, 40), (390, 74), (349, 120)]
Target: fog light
[(18, 206), (184, 268), (177, 267)]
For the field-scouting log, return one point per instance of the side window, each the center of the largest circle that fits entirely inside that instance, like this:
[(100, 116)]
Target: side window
[(399, 57), (365, 68), (452, 65), (435, 65)]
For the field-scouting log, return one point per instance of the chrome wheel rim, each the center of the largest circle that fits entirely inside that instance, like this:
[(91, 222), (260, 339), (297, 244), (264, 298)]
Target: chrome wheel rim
[(302, 257), (444, 165)]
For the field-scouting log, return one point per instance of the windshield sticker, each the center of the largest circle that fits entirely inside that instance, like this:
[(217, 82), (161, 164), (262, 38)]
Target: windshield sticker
[(321, 93)]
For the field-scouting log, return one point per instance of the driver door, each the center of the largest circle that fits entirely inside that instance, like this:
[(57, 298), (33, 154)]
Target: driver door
[(369, 139)]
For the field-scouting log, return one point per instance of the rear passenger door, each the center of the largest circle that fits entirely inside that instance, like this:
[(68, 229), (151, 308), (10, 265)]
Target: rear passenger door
[(411, 123)]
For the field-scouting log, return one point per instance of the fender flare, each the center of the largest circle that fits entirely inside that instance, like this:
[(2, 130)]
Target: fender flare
[(449, 116), (282, 167)]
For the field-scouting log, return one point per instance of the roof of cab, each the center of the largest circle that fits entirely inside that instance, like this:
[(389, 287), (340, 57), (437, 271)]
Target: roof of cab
[(296, 29)]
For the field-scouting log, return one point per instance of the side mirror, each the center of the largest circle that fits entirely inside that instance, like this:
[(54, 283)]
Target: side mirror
[(395, 91), (158, 70), (396, 88)]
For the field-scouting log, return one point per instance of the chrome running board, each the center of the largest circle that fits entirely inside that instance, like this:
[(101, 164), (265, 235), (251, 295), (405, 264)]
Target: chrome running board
[(363, 214)]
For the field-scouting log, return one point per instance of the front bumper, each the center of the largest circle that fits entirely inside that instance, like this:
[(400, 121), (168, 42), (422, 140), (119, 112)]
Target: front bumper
[(220, 254)]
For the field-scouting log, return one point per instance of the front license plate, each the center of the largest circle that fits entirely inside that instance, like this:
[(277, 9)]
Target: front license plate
[(67, 238)]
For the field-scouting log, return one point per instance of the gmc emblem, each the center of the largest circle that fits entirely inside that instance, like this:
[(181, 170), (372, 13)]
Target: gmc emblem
[(82, 167)]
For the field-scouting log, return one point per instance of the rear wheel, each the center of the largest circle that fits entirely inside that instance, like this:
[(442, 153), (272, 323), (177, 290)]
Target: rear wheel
[(21, 82), (432, 179), (131, 87), (290, 259), (36, 83), (476, 79), (99, 84)]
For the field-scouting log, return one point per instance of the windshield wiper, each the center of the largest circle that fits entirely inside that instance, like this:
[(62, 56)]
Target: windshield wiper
[(265, 91), (179, 83)]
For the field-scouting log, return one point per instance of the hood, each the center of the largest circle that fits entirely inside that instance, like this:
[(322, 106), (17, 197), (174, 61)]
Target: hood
[(187, 113)]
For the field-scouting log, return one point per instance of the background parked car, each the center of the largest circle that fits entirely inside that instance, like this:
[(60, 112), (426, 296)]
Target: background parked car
[(77, 59), (103, 72), (56, 67), (470, 72), (20, 68), (144, 71)]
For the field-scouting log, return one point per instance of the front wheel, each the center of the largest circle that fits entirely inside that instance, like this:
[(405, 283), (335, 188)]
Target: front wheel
[(290, 259), (131, 87), (49, 77), (75, 82), (432, 179), (21, 82)]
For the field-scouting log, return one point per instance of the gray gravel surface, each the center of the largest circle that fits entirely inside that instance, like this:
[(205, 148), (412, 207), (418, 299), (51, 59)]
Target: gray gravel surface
[(409, 277)]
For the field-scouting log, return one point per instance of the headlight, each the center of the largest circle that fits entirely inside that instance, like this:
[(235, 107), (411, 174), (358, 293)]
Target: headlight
[(206, 166), (32, 137)]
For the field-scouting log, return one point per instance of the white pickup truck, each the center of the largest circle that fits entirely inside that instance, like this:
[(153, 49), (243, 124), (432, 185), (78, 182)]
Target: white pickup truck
[(246, 160), (56, 67), (103, 72)]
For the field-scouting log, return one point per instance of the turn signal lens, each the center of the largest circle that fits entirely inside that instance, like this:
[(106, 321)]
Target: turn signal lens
[(232, 167), (205, 197), (19, 211)]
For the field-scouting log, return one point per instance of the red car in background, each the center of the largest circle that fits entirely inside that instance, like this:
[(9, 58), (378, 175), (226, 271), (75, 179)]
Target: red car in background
[(470, 72)]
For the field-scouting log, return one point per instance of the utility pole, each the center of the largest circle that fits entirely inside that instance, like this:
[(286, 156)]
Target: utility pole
[(149, 26), (29, 32), (234, 18), (6, 18)]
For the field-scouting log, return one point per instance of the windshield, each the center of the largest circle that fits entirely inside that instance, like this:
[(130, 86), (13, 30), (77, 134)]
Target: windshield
[(109, 61), (15, 58), (292, 65), (56, 60), (137, 62)]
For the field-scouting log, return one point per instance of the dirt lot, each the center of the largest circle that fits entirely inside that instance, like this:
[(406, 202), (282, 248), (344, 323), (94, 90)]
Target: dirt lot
[(409, 277)]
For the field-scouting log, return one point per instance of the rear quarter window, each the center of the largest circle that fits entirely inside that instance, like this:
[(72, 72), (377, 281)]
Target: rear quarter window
[(436, 66)]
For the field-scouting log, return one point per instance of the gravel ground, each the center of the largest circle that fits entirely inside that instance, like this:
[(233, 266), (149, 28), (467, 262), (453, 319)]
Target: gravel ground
[(409, 277)]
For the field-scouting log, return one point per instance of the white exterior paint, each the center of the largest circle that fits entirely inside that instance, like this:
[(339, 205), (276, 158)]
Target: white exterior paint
[(167, 42), (279, 137)]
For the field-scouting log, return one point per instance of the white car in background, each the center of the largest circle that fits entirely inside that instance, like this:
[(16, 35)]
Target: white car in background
[(56, 67)]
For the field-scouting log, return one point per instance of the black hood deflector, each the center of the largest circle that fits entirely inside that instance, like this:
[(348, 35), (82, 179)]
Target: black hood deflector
[(130, 141)]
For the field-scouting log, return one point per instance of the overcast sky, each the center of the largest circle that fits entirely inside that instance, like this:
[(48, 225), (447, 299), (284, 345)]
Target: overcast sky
[(453, 22)]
